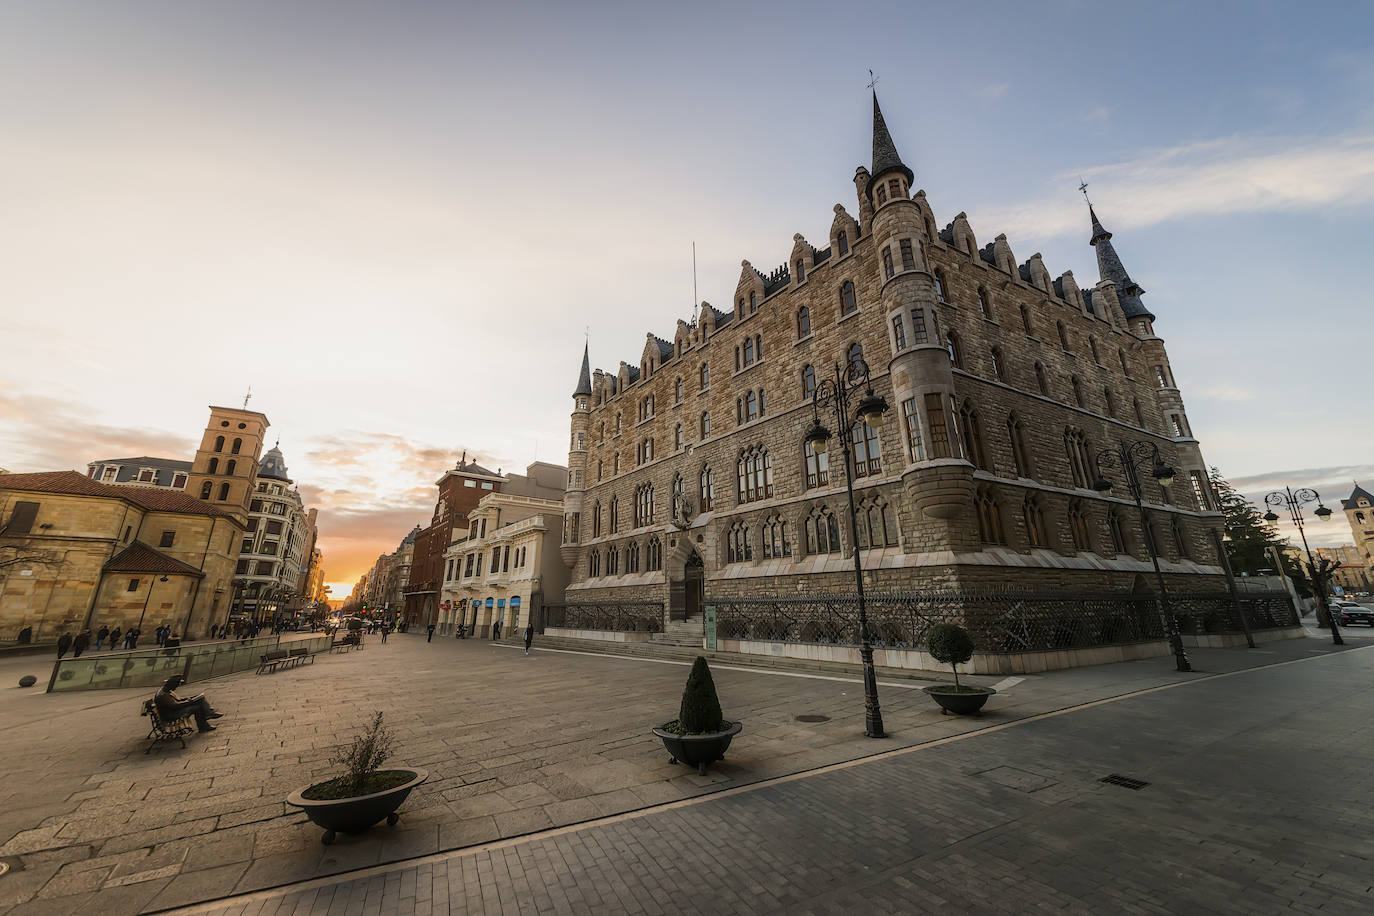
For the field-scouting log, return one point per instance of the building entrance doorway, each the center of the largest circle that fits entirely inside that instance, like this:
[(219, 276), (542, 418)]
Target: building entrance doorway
[(694, 584)]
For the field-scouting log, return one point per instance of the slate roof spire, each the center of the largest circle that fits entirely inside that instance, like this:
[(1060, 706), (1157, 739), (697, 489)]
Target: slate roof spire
[(885, 156), (584, 381), (1109, 267)]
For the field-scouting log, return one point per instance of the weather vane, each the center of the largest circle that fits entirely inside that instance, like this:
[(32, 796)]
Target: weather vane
[(1083, 186), (872, 81), (247, 396)]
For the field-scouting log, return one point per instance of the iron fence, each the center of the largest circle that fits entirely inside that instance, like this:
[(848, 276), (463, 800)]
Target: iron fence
[(616, 616), (1000, 623)]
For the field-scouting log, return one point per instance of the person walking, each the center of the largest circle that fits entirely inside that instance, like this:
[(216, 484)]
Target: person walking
[(79, 644), (115, 636), (64, 642), (496, 629), (430, 630), (131, 637), (100, 636), (529, 637)]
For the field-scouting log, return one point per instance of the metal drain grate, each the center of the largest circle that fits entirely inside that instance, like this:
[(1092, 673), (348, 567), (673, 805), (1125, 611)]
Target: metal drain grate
[(813, 718), (1126, 782)]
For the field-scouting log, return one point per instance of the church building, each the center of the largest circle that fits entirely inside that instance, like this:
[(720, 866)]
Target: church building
[(692, 474)]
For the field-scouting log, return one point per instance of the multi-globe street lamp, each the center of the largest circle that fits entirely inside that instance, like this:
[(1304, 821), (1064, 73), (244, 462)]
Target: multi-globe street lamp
[(1293, 501), (1131, 458), (869, 410)]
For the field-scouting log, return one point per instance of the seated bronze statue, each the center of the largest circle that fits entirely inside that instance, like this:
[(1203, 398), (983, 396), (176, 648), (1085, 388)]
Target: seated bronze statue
[(170, 706)]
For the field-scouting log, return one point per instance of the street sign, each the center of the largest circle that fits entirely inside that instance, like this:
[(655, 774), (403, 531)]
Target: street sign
[(710, 627)]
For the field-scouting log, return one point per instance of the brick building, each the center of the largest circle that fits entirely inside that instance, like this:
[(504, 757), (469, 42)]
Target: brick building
[(689, 475)]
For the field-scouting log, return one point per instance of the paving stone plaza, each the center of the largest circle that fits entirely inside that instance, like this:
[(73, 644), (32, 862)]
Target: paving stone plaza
[(548, 794)]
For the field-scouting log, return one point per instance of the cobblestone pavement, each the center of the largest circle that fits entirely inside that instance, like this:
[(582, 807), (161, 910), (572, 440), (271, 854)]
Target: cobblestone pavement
[(517, 746), (1257, 801)]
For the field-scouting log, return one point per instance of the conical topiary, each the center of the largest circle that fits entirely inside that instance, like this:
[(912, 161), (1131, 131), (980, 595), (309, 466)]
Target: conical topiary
[(700, 711)]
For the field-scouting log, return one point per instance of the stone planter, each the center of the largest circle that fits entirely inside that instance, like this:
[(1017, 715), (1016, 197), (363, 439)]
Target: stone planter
[(965, 702), (697, 750), (354, 815)]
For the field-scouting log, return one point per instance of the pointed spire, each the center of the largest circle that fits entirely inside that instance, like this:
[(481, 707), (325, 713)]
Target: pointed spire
[(885, 156), (584, 381), (1109, 267)]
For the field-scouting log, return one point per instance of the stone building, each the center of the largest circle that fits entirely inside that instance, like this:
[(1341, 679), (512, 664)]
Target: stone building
[(226, 463), (1350, 573), (76, 553), (1359, 512), (279, 535), (141, 472), (508, 564), (689, 475)]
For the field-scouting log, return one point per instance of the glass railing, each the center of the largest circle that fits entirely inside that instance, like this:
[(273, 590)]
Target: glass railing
[(149, 668)]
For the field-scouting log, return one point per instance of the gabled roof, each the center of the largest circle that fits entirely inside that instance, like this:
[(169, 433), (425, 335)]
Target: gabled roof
[(665, 349), (147, 461), (73, 484), (1356, 495), (138, 557)]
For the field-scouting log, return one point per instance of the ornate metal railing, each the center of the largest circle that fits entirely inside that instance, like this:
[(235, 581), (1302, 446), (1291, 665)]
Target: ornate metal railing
[(1002, 622), (617, 616)]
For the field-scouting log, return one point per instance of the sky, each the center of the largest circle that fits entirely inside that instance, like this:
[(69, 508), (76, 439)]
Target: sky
[(399, 221)]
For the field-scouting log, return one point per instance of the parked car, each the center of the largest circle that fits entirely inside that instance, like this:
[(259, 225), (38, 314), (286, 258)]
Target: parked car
[(1353, 613)]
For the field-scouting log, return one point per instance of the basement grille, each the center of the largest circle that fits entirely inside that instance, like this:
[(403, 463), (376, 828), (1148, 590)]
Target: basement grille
[(811, 717), (1116, 779)]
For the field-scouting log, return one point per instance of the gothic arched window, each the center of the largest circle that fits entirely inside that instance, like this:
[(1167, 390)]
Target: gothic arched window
[(808, 382), (989, 515), (822, 531), (849, 302), (803, 322), (224, 491), (219, 443), (875, 524), (738, 547), (238, 444), (707, 488), (775, 538), (755, 474)]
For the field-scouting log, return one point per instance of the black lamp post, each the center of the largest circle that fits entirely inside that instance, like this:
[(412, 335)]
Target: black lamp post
[(146, 598), (1131, 458), (870, 409), (1294, 501)]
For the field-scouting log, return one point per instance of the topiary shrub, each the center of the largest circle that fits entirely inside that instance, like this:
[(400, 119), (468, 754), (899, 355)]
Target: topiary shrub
[(950, 644), (700, 710)]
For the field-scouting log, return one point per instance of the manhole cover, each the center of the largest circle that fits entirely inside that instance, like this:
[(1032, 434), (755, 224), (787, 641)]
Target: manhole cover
[(1126, 782), (813, 718)]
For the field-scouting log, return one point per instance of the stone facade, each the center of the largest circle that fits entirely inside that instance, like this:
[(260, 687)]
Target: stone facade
[(1003, 384), (1350, 573), (1359, 513), (77, 554), (226, 463), (278, 540)]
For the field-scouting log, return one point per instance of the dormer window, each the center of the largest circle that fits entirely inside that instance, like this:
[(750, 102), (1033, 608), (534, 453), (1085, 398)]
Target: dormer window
[(753, 303), (842, 243), (801, 270)]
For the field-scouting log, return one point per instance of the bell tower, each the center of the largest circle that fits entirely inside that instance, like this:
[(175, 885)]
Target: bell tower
[(226, 464)]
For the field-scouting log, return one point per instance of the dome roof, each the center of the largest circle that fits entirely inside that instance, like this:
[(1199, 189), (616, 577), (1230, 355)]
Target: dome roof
[(273, 465)]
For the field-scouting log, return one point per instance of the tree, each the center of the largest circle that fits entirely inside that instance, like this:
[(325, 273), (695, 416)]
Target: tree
[(1249, 537)]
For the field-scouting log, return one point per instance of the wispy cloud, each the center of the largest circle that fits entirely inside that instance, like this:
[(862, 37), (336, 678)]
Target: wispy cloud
[(1099, 113), (1214, 177), (1225, 391), (992, 90), (43, 433)]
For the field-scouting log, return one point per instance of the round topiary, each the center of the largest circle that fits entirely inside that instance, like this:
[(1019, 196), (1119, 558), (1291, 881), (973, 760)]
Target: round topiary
[(700, 710), (950, 643), (28, 680)]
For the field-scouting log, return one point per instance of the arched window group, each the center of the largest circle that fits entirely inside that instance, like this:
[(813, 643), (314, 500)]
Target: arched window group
[(594, 563), (654, 555), (632, 558), (755, 474), (707, 489), (737, 546), (775, 538), (876, 528), (1080, 457), (644, 505), (822, 531), (1036, 532), (989, 515)]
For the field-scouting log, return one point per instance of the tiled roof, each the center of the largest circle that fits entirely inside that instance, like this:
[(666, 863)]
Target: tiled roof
[(1355, 496), (72, 483), (138, 557), (148, 461)]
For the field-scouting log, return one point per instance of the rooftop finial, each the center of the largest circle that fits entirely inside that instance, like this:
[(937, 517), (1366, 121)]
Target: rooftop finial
[(247, 396)]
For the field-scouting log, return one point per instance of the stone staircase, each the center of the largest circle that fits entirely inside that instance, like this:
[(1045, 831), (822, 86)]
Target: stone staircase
[(687, 634)]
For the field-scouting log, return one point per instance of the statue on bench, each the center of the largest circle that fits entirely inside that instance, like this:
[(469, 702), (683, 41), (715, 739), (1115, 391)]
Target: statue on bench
[(170, 706)]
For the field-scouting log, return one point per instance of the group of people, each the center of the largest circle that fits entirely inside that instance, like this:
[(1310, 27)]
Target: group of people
[(236, 629), (495, 633), (103, 638)]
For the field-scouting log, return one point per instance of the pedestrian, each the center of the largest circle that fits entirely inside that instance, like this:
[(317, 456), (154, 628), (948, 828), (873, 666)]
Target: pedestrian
[(64, 642), (529, 637), (100, 636), (79, 644), (430, 637), (496, 629), (115, 636), (131, 636), (384, 632), (157, 635)]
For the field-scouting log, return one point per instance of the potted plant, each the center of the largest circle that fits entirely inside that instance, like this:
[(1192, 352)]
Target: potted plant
[(698, 736), (365, 793), (950, 643)]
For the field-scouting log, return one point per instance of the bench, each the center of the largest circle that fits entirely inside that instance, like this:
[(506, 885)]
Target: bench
[(301, 656), (353, 640), (272, 660), (165, 729)]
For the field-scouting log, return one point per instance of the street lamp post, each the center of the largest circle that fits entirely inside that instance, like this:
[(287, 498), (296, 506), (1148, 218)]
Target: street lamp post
[(1130, 458), (146, 598), (836, 392), (1294, 500)]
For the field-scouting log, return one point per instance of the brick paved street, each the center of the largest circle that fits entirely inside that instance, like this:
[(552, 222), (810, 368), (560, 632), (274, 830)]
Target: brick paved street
[(521, 745)]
